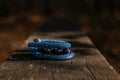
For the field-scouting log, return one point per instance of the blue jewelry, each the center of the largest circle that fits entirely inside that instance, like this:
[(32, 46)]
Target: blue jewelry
[(42, 43), (53, 57), (50, 49)]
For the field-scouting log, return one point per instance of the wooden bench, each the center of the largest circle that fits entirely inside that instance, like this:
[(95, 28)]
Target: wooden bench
[(88, 63)]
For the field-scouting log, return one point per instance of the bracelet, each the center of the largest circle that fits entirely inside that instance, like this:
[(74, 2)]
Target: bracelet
[(45, 43), (50, 49), (53, 57)]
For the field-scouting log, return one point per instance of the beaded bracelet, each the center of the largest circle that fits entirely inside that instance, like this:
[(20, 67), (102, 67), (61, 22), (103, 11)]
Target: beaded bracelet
[(53, 57), (51, 49), (46, 43)]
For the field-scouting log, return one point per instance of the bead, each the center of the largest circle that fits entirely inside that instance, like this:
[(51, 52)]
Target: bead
[(59, 51), (67, 51), (35, 40)]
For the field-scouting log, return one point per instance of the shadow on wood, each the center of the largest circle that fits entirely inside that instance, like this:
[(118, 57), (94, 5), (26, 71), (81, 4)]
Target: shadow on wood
[(21, 57), (58, 24)]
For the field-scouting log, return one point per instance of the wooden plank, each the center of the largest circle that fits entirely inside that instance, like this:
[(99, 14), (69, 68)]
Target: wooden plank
[(88, 63), (99, 67)]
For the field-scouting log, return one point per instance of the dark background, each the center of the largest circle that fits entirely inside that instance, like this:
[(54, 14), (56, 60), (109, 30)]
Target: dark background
[(99, 19)]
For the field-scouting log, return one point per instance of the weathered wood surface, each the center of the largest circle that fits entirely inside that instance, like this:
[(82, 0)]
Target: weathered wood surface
[(88, 63)]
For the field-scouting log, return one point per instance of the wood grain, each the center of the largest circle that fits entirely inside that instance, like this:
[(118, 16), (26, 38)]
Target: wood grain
[(88, 63)]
